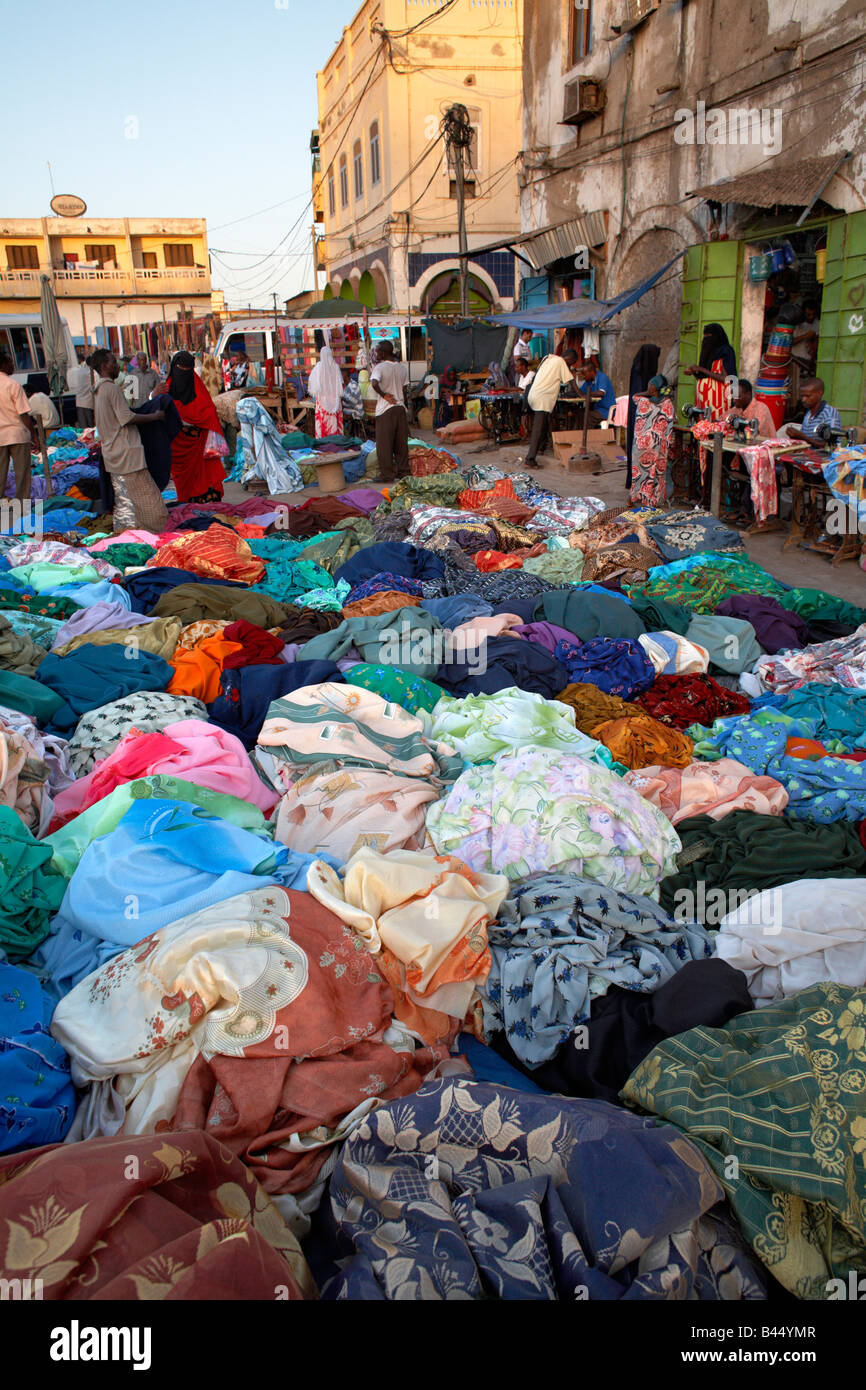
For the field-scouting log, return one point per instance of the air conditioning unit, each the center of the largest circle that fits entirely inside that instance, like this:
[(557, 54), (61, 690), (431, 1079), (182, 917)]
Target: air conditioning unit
[(584, 98), (635, 12)]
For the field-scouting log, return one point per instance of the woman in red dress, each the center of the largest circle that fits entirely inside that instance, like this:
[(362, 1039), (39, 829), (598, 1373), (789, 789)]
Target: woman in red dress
[(198, 474)]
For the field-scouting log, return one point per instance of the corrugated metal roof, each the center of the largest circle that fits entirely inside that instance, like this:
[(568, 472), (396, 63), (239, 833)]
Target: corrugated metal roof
[(552, 243), (793, 184)]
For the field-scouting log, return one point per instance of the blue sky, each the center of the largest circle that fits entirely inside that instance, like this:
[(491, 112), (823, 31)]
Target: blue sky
[(224, 96)]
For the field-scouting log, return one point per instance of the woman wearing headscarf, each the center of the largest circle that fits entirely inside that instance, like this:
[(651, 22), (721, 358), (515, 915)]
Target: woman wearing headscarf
[(196, 469), (653, 427), (716, 364), (644, 366), (326, 388)]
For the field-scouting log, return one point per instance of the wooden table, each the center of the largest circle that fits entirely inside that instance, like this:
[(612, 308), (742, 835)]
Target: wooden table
[(809, 497)]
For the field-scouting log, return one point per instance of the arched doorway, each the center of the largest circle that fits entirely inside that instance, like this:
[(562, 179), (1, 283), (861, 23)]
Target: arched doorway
[(366, 292), (346, 290), (328, 293), (442, 296)]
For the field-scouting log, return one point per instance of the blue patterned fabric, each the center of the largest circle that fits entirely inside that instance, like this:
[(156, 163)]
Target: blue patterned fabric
[(384, 583), (617, 666), (559, 941), (826, 789), (37, 1099), (467, 1190)]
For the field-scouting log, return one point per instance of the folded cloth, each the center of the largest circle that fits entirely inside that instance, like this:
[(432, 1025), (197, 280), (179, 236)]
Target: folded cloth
[(541, 809), (100, 731), (683, 700), (559, 941), (194, 749), (144, 1216), (217, 553), (249, 691), (258, 646), (198, 668), (433, 959), (30, 888), (92, 676), (731, 642), (408, 638), (96, 618), (29, 696), (38, 1095), (590, 615), (707, 789), (496, 1197), (781, 1089), (296, 1047)]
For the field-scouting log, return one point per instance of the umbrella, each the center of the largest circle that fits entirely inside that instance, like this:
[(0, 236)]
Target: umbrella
[(335, 309), (53, 340)]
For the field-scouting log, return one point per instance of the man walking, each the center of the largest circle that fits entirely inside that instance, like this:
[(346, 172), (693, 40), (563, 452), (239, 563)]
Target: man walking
[(17, 430), (553, 373), (390, 381)]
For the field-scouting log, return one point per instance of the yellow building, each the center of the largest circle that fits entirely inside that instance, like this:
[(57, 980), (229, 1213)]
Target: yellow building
[(107, 273), (384, 196)]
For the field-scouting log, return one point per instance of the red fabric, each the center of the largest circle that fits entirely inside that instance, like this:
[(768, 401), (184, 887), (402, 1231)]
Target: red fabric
[(260, 647), (324, 1056), (473, 498), (150, 1217), (679, 701), (488, 561), (217, 553), (193, 472)]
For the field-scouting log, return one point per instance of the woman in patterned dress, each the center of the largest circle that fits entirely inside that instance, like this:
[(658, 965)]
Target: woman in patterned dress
[(653, 427)]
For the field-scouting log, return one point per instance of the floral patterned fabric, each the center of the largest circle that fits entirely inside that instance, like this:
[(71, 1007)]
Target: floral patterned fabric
[(781, 1090), (480, 727), (469, 1190), (653, 426), (542, 809)]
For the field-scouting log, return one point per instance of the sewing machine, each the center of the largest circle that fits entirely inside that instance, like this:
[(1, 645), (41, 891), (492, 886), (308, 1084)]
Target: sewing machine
[(835, 439), (693, 413), (743, 430)]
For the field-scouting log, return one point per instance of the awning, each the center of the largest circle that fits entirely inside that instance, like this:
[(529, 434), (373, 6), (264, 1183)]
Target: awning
[(550, 244), (583, 313), (791, 184)]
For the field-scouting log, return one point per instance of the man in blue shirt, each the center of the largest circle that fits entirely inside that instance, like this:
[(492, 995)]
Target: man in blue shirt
[(600, 390), (818, 412)]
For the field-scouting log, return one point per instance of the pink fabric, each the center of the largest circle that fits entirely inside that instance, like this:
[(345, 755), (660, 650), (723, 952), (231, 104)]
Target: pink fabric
[(475, 630), (132, 537), (620, 411), (191, 749)]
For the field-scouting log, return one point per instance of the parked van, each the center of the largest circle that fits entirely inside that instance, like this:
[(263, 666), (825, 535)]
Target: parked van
[(255, 338), (21, 336)]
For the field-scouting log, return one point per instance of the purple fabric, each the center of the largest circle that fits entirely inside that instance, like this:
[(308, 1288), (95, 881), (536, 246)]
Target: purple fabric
[(352, 657), (775, 628), (366, 499), (290, 652), (96, 618), (544, 634)]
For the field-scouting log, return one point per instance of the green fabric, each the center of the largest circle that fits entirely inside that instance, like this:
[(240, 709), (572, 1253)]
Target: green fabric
[(18, 652), (403, 638), (330, 551), (296, 439), (412, 693), (731, 642), (36, 603), (193, 602), (704, 587), (659, 615), (440, 490), (29, 696), (558, 566), (588, 614), (288, 580), (69, 843), (781, 1091), (480, 727), (40, 630), (44, 575), (747, 850), (31, 890), (815, 604), (61, 500), (126, 554)]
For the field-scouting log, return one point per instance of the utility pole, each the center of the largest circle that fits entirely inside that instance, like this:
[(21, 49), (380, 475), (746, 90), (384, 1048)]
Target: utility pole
[(458, 137)]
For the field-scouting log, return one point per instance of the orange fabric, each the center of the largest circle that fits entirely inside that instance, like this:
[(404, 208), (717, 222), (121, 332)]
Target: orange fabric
[(805, 748), (388, 601), (216, 553), (473, 498), (198, 671)]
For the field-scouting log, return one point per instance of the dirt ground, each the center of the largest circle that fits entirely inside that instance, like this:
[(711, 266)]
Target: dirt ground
[(796, 567)]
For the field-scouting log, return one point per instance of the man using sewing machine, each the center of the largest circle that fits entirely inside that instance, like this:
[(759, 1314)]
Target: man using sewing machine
[(746, 407), (818, 413)]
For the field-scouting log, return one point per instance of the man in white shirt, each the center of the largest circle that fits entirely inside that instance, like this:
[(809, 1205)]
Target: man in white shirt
[(17, 430), (522, 352), (390, 380), (80, 380), (43, 406), (553, 373)]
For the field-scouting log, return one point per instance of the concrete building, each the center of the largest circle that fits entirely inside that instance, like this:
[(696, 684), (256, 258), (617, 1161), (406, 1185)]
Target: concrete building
[(631, 106), (107, 273), (384, 196)]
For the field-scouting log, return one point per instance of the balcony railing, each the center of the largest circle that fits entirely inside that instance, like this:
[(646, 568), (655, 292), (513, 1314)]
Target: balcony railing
[(91, 282)]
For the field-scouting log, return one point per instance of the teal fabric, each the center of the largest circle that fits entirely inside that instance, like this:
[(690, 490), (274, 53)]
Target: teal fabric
[(375, 637), (731, 642)]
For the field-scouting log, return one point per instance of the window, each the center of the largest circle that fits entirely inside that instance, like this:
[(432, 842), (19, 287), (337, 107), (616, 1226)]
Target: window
[(22, 257), (178, 253), (38, 347), (148, 260), (332, 196), (581, 32), (100, 254), (358, 168), (22, 350), (375, 161), (344, 182)]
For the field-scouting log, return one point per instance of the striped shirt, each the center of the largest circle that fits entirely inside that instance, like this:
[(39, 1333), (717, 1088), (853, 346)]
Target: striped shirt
[(827, 415)]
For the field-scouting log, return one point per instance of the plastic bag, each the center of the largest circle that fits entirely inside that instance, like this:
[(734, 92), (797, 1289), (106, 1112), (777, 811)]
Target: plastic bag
[(216, 444)]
